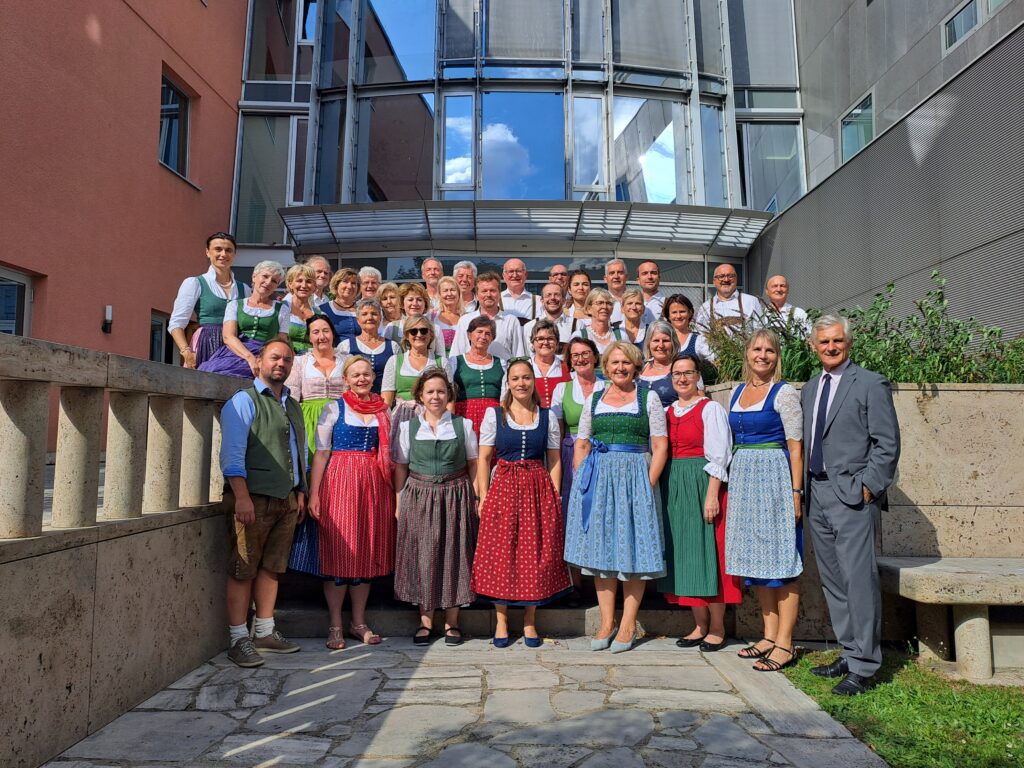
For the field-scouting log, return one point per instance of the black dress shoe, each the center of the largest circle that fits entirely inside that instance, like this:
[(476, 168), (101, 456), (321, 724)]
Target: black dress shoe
[(837, 668), (852, 685), (707, 647), (689, 642)]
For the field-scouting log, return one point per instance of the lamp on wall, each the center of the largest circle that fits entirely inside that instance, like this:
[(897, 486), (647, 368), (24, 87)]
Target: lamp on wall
[(108, 318)]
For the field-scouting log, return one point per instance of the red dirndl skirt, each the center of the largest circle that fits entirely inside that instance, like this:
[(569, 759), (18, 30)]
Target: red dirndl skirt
[(474, 410), (357, 518), (730, 590), (521, 540)]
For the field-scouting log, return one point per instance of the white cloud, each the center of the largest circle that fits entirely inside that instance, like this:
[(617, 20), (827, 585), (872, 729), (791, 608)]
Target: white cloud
[(458, 170), (506, 162), (462, 126)]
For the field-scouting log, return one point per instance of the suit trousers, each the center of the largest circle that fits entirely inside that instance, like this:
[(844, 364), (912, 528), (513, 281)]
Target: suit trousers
[(844, 547)]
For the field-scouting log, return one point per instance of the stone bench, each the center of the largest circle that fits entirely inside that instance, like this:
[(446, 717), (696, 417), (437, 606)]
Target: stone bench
[(970, 585)]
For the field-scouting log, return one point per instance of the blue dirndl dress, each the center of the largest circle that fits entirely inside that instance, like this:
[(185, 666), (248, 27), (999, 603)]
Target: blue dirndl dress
[(614, 527), (763, 541)]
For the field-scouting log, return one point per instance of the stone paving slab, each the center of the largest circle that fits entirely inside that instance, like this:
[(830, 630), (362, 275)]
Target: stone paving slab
[(399, 706)]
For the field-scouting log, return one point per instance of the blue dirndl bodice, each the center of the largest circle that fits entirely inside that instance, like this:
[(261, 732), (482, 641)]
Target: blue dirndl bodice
[(521, 444), (345, 326), (663, 387), (753, 427), (349, 438)]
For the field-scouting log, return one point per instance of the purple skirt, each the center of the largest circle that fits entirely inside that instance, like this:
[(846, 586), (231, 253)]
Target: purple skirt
[(225, 361), (206, 340), (568, 445)]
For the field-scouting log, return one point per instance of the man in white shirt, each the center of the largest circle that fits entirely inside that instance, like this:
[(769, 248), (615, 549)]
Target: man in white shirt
[(777, 309), (552, 300), (431, 271), (729, 307), (465, 275), (369, 282), (648, 275), (616, 277), (508, 338), (515, 299), (322, 268), (559, 273)]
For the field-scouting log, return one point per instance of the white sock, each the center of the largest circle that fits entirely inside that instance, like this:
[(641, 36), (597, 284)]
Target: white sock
[(237, 633), (262, 627)]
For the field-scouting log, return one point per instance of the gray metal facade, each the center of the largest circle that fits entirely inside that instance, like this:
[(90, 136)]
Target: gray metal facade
[(942, 189)]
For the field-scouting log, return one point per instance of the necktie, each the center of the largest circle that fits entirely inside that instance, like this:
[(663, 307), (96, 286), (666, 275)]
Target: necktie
[(817, 465)]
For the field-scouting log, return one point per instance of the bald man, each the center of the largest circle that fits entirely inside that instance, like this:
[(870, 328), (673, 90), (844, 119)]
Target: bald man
[(777, 307), (515, 299), (729, 308)]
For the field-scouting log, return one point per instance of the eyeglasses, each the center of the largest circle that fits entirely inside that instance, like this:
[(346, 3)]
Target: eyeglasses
[(676, 375), (545, 340), (725, 278), (514, 271), (418, 331), (581, 356)]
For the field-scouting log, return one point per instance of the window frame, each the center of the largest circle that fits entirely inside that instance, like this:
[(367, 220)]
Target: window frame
[(184, 130), (26, 280), (981, 18), (869, 95)]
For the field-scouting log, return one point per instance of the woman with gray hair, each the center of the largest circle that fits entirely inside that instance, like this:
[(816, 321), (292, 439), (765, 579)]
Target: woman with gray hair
[(660, 348), (369, 343), (250, 323), (369, 282)]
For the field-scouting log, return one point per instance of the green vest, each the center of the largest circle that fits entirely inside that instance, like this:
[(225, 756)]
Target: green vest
[(258, 328), (268, 461), (404, 384), (473, 383), (436, 458), (210, 307)]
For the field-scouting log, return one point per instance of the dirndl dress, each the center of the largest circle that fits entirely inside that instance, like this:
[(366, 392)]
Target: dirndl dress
[(694, 548), (477, 388), (546, 385), (566, 406), (519, 550), (405, 407), (253, 331), (209, 309), (378, 357), (763, 541), (344, 321), (437, 522), (613, 528), (357, 504)]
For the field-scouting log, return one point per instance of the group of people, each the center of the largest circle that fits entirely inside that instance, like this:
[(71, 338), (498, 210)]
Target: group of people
[(485, 444)]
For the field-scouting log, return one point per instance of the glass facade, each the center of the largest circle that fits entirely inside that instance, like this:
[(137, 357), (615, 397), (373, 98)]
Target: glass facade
[(857, 129)]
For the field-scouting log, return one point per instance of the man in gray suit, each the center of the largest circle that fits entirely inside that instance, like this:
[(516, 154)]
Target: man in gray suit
[(854, 447)]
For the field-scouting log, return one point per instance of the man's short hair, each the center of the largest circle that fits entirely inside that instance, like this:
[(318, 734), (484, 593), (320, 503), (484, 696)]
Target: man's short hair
[(615, 261), (370, 272), (265, 347), (488, 277), (828, 321), (465, 265)]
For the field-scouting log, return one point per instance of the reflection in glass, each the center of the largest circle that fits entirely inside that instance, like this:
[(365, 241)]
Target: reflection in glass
[(857, 129), (270, 40), (173, 147), (772, 153), (307, 28), (458, 140), (299, 169), (335, 43), (523, 146), (588, 142), (716, 185), (964, 21), (525, 73), (12, 307), (459, 32), (262, 178), (399, 41), (330, 154), (394, 149), (646, 134), (524, 29), (707, 22)]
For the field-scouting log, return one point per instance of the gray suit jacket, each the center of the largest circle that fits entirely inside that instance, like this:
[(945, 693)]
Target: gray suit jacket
[(861, 443)]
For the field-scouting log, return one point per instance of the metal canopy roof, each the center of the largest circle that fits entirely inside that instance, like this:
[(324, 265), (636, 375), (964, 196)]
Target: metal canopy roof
[(523, 226)]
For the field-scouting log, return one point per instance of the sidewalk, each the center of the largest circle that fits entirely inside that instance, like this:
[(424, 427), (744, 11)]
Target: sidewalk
[(398, 706)]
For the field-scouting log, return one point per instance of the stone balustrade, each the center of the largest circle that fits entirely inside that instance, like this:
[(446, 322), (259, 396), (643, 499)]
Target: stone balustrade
[(162, 432)]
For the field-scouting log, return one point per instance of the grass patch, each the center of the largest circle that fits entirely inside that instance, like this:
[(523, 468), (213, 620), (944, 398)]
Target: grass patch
[(915, 718)]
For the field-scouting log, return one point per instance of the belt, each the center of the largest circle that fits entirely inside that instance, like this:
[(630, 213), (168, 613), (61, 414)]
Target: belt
[(758, 446), (438, 479), (588, 472), (818, 475)]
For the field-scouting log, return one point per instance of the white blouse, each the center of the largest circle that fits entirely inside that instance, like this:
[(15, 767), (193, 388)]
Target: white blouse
[(306, 381), (655, 414), (388, 380), (283, 313), (489, 429), (576, 393), (554, 370), (787, 405), (426, 433), (329, 417), (189, 292), (345, 347), (717, 436)]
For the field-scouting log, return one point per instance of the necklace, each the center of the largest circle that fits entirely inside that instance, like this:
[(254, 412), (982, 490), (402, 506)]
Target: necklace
[(759, 384)]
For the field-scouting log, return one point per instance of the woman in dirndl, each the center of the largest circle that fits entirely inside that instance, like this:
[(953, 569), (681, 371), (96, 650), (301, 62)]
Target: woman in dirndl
[(207, 296), (447, 315), (763, 534), (301, 282), (478, 375), (352, 497), (369, 343), (402, 370), (660, 349), (519, 550), (435, 469), (250, 323), (549, 369), (341, 310), (613, 530), (693, 502)]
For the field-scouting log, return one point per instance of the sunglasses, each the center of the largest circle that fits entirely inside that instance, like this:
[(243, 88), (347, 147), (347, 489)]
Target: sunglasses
[(418, 331)]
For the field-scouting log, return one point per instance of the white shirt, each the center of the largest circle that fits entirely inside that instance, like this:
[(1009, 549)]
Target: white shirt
[(833, 387), (393, 332), (563, 325), (653, 307), (329, 417), (717, 436), (576, 393), (388, 380), (730, 307), (489, 429), (426, 433), (345, 347), (189, 292), (770, 314), (655, 414), (701, 347), (524, 305), (508, 340), (787, 405)]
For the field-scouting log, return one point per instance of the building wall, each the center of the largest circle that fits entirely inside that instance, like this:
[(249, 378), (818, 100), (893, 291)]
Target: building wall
[(892, 49), (87, 207)]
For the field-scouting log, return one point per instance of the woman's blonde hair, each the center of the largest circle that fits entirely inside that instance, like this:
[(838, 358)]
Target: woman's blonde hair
[(773, 340), (632, 293), (352, 360), (343, 275), (449, 280), (299, 270), (416, 321), (629, 350), (594, 295)]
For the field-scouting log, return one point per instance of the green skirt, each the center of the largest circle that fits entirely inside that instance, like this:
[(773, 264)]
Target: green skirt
[(691, 553)]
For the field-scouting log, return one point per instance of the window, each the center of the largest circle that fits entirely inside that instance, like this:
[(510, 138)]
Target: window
[(395, 148), (647, 134), (962, 22), (161, 345), (15, 301), (588, 142), (263, 178), (716, 184), (399, 40), (994, 5), (459, 158), (771, 174), (522, 146), (173, 128), (857, 129)]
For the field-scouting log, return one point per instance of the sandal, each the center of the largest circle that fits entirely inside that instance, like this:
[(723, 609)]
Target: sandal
[(455, 639), (419, 639), (335, 638), (364, 634), (753, 652), (771, 665)]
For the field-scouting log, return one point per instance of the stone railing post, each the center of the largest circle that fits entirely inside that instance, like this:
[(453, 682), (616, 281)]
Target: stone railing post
[(24, 411), (196, 445), (126, 455), (163, 454), (76, 479)]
